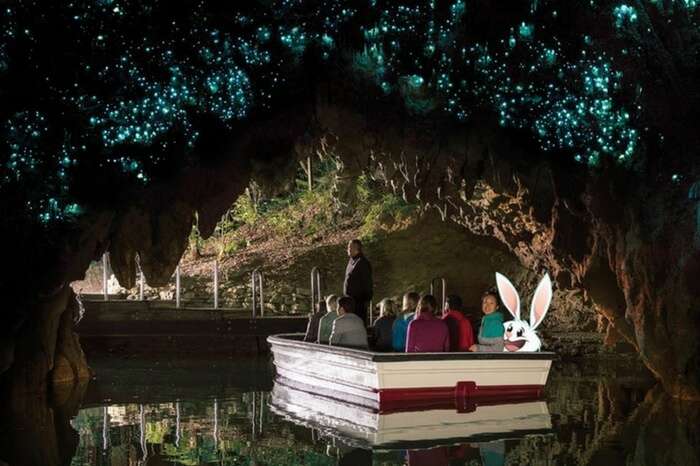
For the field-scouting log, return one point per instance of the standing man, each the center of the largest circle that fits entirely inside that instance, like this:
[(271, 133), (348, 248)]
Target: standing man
[(358, 279)]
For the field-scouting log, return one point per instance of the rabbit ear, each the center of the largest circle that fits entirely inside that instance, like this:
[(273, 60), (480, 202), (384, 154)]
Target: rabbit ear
[(509, 296), (540, 301)]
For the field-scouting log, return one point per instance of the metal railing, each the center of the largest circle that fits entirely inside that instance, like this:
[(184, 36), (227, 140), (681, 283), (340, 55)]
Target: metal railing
[(177, 286), (105, 287), (257, 279), (142, 278), (216, 284), (443, 281), (316, 293), (256, 285), (255, 412)]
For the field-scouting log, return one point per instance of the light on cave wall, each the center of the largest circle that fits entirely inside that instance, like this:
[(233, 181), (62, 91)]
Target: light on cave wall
[(159, 85)]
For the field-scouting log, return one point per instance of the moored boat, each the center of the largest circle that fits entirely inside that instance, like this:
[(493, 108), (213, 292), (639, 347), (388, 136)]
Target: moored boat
[(403, 381)]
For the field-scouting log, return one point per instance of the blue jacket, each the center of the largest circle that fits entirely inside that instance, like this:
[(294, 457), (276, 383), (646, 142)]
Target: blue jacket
[(399, 330)]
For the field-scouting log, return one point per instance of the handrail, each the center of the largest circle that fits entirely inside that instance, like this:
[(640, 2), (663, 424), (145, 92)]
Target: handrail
[(257, 288), (142, 279), (105, 287), (316, 294), (177, 286), (444, 290), (216, 284)]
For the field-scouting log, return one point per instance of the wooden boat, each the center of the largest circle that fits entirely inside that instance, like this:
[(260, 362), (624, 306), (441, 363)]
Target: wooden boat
[(439, 426), (399, 381)]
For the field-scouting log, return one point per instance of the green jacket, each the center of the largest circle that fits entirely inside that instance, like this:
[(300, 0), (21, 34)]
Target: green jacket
[(325, 326), (491, 325)]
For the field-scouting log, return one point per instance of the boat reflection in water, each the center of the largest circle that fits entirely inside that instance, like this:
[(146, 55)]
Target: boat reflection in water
[(429, 436)]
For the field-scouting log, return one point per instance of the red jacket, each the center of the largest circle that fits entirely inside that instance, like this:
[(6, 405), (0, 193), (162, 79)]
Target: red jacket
[(427, 334), (461, 333)]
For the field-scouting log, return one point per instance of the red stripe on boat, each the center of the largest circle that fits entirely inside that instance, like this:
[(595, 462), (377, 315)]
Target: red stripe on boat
[(465, 396)]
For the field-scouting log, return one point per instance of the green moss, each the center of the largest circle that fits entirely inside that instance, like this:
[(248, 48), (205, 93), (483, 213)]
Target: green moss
[(305, 213)]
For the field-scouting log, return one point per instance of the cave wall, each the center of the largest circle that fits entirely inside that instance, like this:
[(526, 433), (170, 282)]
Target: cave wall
[(607, 237), (38, 346)]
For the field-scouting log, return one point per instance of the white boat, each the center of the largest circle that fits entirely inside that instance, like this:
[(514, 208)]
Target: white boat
[(388, 382), (439, 426)]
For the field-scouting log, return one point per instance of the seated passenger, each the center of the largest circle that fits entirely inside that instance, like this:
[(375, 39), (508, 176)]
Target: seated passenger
[(491, 330), (426, 333), (311, 334), (400, 326), (325, 325), (348, 329), (461, 332), (382, 326)]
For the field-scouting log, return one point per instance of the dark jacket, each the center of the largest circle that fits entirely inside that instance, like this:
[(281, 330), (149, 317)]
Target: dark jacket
[(311, 334), (382, 333), (358, 279)]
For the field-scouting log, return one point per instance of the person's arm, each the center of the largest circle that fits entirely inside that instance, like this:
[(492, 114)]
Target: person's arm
[(491, 345), (446, 344), (335, 338), (466, 335)]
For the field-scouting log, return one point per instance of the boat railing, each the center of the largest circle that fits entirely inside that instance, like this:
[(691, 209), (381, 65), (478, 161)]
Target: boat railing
[(296, 341), (443, 282), (316, 293), (256, 286)]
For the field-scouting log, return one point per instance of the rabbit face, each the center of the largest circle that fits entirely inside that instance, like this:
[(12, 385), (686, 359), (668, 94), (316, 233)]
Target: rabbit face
[(520, 335)]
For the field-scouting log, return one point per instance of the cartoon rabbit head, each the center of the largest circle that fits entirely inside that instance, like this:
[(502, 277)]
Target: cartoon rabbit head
[(520, 335)]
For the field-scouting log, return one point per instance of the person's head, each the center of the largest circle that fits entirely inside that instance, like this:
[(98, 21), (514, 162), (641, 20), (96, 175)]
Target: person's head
[(346, 305), (427, 304), (453, 303), (489, 302), (386, 308), (410, 301), (321, 306), (354, 248), (332, 303)]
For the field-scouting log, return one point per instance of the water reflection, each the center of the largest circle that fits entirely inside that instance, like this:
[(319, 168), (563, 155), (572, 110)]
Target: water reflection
[(229, 413), (448, 424)]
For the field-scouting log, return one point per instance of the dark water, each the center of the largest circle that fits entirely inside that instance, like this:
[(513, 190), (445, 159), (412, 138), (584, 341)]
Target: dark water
[(186, 412)]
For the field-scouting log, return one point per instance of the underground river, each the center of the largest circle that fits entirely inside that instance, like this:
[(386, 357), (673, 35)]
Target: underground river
[(186, 411)]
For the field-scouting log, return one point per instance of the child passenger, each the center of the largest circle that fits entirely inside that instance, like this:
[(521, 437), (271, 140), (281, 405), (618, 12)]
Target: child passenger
[(400, 326), (426, 333), (383, 325), (491, 330)]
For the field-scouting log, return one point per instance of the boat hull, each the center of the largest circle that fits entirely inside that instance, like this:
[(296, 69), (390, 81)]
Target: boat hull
[(396, 381)]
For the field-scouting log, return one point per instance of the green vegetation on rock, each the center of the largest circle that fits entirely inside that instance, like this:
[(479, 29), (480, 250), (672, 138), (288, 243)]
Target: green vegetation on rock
[(310, 213)]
